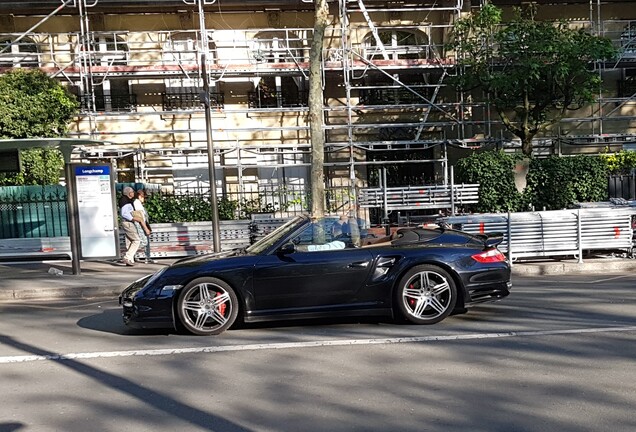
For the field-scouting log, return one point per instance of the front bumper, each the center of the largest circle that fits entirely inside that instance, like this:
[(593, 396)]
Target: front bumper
[(141, 311)]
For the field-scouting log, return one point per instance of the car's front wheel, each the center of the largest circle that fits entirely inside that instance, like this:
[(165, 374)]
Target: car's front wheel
[(426, 294), (207, 306)]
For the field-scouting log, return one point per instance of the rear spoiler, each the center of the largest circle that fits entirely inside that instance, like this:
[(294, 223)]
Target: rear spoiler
[(491, 240)]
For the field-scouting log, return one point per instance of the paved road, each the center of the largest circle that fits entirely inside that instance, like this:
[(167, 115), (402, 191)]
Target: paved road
[(557, 355)]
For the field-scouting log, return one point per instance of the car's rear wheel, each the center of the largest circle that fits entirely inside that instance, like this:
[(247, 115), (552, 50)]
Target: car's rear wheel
[(207, 306), (426, 294)]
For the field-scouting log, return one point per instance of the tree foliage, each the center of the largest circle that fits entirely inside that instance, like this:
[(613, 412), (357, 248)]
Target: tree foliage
[(33, 105), (39, 167), (533, 72)]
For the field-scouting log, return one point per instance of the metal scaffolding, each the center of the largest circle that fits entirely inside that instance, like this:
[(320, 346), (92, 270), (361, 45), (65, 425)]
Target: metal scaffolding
[(386, 100)]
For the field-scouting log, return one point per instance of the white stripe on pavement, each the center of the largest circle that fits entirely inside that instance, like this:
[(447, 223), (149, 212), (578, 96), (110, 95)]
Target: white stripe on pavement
[(275, 346)]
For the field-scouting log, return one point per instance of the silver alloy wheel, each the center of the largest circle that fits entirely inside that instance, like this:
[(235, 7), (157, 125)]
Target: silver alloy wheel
[(207, 308), (427, 295)]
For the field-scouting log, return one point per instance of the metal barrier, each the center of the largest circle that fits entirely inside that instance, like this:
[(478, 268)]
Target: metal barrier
[(261, 226), (166, 241), (555, 233), (195, 238), (419, 197), (41, 247), (530, 234)]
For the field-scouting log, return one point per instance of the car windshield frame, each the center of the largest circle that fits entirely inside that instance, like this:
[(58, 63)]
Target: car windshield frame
[(264, 244)]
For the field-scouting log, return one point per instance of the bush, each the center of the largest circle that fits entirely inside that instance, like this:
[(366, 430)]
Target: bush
[(171, 208), (620, 163), (552, 183), (493, 170), (560, 182), (163, 208)]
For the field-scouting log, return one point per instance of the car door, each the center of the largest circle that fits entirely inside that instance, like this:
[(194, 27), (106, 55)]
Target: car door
[(310, 279)]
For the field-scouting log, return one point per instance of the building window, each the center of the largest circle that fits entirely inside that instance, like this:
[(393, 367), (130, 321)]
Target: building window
[(185, 91), (279, 92), (628, 41), (389, 93), (189, 98), (627, 86), (108, 94), (276, 47), (23, 53), (397, 45)]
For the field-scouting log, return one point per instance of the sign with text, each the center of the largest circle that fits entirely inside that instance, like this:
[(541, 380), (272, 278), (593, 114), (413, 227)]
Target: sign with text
[(95, 191)]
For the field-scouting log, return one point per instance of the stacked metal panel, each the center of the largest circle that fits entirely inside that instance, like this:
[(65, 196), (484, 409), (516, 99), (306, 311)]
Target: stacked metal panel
[(419, 197), (555, 233)]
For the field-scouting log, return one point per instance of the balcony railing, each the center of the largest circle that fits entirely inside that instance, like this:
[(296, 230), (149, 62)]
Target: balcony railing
[(190, 101), (393, 96), (277, 99), (111, 103)]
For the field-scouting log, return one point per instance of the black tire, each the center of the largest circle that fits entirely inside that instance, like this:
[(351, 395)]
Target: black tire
[(426, 294), (207, 306)]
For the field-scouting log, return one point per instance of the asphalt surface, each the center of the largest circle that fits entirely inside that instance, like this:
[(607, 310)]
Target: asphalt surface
[(43, 280)]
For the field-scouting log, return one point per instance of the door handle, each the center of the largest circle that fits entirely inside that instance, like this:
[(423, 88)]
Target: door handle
[(359, 264)]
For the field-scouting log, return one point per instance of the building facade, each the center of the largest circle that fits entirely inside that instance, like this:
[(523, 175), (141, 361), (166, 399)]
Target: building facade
[(136, 68)]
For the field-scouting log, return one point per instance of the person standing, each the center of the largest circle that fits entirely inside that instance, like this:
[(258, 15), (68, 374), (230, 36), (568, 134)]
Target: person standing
[(144, 233), (128, 225)]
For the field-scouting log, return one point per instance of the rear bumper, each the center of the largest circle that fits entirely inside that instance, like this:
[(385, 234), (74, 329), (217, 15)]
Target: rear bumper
[(488, 293)]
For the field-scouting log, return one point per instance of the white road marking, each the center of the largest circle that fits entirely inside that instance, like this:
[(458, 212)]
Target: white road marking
[(276, 346)]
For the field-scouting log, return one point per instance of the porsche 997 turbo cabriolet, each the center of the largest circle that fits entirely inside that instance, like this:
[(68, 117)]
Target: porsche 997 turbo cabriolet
[(319, 268)]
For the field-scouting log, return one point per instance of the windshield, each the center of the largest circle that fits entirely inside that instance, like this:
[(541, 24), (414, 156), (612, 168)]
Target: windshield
[(271, 238)]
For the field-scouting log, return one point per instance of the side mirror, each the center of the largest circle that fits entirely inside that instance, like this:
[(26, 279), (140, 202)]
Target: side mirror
[(287, 248)]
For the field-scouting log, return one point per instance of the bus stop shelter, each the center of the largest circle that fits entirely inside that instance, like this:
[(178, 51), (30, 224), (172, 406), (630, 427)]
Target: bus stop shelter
[(66, 147)]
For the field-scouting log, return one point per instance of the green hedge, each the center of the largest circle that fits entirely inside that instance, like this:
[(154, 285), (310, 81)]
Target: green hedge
[(163, 208), (493, 170), (552, 183), (559, 182)]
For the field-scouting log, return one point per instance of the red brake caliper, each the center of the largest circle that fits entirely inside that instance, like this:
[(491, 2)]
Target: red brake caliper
[(412, 301), (221, 306)]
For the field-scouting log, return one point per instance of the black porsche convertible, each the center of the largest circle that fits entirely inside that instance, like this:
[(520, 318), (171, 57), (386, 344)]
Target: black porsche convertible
[(317, 268)]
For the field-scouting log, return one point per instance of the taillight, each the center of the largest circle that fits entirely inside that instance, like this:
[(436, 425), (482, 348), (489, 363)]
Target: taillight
[(489, 256)]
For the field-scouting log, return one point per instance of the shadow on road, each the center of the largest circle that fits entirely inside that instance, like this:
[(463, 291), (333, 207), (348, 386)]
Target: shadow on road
[(156, 400)]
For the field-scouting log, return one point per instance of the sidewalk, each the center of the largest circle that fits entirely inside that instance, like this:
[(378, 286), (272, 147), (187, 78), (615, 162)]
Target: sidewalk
[(32, 280), (101, 279)]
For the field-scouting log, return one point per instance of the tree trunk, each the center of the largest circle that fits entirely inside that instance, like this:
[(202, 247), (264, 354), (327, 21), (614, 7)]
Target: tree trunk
[(316, 119), (526, 145)]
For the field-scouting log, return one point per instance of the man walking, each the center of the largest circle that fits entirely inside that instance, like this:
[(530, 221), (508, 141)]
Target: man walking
[(128, 225)]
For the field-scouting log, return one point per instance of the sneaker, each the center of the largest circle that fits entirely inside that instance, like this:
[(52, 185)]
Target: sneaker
[(150, 261), (128, 262)]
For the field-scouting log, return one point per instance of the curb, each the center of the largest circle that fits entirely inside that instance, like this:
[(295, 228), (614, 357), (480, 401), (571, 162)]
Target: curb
[(597, 266)]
